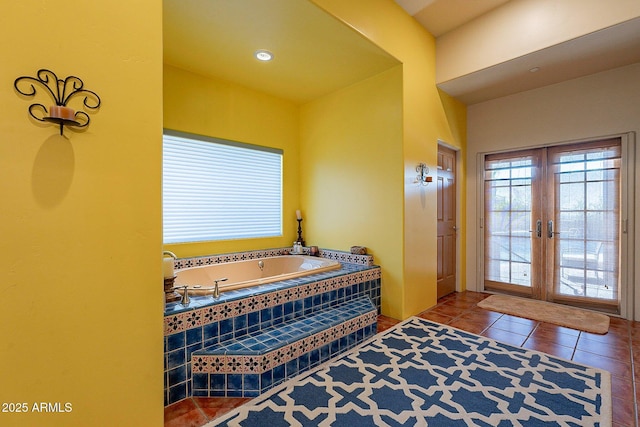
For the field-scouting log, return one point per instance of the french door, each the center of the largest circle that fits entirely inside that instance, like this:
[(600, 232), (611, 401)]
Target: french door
[(552, 223)]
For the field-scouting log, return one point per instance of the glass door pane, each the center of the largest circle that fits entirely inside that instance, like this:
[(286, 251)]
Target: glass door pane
[(509, 212), (585, 211)]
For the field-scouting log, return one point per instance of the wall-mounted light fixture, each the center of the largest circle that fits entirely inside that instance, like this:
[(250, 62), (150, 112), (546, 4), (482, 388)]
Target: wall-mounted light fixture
[(423, 172), (61, 91)]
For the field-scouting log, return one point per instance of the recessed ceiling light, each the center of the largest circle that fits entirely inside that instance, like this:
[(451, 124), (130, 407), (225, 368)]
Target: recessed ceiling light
[(263, 55)]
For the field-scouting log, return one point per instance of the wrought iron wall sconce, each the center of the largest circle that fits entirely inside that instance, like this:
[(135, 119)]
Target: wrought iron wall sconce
[(423, 172), (61, 91)]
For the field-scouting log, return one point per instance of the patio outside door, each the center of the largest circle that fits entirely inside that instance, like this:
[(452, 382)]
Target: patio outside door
[(552, 224)]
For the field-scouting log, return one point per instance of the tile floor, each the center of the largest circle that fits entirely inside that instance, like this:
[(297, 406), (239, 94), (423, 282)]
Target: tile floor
[(614, 351)]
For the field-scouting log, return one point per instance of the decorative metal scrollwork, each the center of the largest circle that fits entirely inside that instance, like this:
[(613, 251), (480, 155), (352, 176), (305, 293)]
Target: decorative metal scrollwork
[(61, 91), (422, 178)]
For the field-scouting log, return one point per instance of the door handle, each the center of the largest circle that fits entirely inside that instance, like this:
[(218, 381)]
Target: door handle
[(454, 228), (539, 228), (550, 232)]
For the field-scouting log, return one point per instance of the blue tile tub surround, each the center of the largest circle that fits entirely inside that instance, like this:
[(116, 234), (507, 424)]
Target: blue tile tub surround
[(207, 322), (340, 256), (275, 337), (347, 282), (242, 384), (254, 363)]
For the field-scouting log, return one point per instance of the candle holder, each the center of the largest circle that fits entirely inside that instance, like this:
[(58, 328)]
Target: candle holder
[(61, 91), (423, 177), (300, 239), (170, 295)]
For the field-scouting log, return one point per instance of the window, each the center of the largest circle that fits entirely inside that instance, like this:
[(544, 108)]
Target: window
[(215, 189)]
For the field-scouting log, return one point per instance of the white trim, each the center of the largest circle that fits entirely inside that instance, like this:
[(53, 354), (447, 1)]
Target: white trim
[(458, 220), (480, 222), (458, 152), (629, 292)]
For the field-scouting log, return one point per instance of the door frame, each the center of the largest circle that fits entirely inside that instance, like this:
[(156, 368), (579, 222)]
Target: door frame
[(629, 295), (459, 231)]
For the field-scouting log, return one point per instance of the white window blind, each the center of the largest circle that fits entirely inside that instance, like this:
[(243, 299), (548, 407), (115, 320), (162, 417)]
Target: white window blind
[(215, 189)]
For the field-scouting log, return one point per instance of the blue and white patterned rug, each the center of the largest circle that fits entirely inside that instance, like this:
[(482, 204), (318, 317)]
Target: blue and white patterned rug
[(426, 374)]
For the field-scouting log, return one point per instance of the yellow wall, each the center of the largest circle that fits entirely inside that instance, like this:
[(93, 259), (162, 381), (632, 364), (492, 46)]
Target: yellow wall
[(80, 234), (81, 229), (424, 122), (220, 109), (359, 148), (350, 169), (456, 113)]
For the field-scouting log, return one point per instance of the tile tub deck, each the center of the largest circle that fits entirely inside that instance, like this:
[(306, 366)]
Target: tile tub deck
[(198, 330)]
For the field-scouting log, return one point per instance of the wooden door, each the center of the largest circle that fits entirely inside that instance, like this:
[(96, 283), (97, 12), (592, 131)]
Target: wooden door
[(513, 226), (552, 223), (446, 221), (584, 224)]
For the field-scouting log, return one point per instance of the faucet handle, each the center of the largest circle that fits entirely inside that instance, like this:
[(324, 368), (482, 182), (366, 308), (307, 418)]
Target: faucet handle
[(223, 279), (216, 289), (185, 295)]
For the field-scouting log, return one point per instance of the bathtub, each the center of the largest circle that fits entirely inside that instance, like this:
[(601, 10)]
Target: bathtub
[(243, 274)]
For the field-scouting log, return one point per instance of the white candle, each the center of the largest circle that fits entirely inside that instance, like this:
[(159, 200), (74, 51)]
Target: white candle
[(62, 112), (167, 267), (298, 214)]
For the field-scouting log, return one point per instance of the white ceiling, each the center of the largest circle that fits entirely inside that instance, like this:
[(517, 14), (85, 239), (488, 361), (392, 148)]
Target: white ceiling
[(442, 16), (602, 50)]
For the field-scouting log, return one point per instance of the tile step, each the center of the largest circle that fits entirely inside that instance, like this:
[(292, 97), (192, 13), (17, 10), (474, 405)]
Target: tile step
[(254, 363), (278, 336)]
